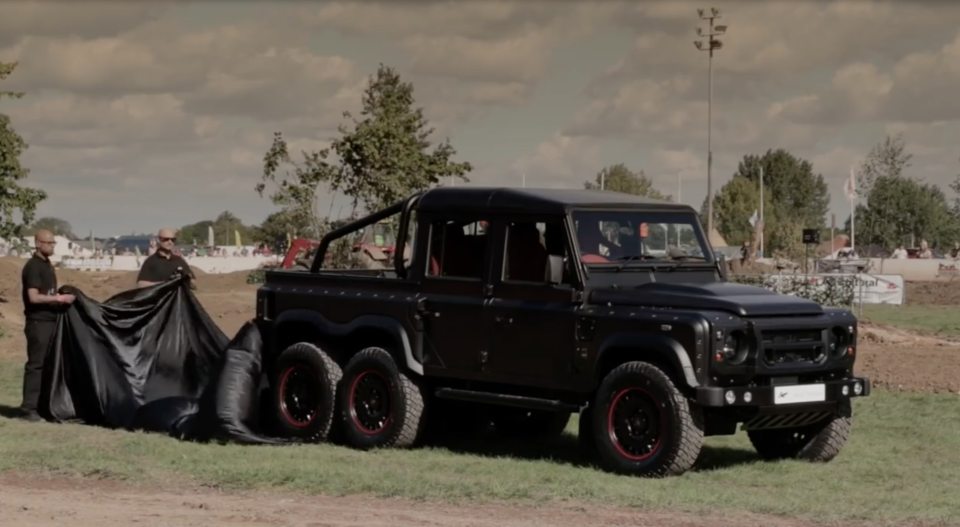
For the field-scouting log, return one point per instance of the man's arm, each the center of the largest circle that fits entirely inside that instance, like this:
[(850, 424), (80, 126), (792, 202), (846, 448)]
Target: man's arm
[(146, 277), (36, 297)]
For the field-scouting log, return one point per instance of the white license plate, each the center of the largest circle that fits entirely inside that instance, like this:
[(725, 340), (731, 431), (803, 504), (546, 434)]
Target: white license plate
[(803, 393)]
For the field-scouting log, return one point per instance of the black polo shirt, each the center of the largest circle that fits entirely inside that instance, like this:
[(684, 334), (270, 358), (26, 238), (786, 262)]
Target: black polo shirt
[(156, 268), (38, 274)]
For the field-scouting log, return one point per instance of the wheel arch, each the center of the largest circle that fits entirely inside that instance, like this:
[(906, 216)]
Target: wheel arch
[(659, 350), (344, 339)]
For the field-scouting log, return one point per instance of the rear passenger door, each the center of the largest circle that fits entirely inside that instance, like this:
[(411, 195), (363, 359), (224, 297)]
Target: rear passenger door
[(451, 303), (532, 320)]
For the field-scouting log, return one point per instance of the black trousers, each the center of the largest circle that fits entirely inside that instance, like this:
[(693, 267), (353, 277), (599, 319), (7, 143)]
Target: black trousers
[(39, 333)]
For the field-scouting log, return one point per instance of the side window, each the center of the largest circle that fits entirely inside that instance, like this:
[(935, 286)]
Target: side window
[(528, 248), (457, 248)]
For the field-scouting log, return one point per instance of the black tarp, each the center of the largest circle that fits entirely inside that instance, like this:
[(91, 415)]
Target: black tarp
[(152, 359)]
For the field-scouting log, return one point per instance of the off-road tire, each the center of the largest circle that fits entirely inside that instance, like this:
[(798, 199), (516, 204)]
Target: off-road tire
[(642, 425), (819, 442), (379, 405), (304, 387)]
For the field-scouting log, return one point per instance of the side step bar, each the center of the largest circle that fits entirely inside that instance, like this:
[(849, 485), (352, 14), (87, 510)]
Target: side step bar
[(519, 401)]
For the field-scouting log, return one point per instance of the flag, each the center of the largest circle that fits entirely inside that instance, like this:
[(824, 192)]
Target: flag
[(236, 236), (754, 219), (210, 241), (850, 188)]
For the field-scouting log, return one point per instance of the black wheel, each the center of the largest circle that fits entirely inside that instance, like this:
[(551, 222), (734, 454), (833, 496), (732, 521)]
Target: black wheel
[(380, 406), (304, 388), (520, 422), (817, 442), (642, 425)]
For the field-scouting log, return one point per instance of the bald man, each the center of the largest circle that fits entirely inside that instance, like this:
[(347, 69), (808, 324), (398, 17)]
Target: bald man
[(41, 304), (163, 265)]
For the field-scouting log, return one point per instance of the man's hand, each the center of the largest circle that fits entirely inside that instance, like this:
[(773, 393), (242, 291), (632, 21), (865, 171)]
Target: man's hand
[(66, 299)]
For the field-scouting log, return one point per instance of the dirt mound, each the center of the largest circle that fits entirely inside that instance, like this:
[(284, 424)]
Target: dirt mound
[(890, 335), (933, 293)]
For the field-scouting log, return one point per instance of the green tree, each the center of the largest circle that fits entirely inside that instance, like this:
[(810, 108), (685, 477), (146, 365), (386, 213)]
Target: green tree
[(903, 210), (794, 199), (296, 186), (619, 178), (888, 158), (279, 224), (384, 157), (955, 187), (15, 200), (224, 227), (57, 226), (387, 155)]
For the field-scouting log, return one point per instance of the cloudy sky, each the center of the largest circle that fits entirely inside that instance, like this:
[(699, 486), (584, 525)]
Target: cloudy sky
[(144, 114)]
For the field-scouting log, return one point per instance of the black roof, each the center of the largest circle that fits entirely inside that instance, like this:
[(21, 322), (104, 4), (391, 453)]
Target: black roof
[(536, 200)]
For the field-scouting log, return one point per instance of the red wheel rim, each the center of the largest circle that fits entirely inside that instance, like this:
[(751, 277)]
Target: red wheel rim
[(370, 404), (298, 400), (635, 424)]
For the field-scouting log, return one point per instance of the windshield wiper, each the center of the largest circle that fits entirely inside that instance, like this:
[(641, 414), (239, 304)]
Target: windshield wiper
[(633, 258)]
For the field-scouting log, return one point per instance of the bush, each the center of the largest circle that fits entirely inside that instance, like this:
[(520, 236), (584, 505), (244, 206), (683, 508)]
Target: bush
[(835, 291)]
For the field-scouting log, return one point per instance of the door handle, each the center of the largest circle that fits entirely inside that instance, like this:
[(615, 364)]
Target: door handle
[(423, 309), (503, 320)]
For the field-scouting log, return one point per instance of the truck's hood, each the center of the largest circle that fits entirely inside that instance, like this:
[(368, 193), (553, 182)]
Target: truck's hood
[(743, 300)]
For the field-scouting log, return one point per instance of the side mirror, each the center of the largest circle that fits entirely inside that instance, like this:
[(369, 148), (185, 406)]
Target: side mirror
[(722, 267), (554, 269)]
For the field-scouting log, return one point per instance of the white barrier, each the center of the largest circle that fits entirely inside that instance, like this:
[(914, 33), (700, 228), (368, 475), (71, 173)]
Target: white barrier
[(207, 264)]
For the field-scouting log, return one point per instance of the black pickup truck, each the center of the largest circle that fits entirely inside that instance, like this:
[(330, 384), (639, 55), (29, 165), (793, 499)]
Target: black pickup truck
[(535, 304)]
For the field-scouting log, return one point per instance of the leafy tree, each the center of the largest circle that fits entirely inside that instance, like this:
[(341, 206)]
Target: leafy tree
[(296, 188), (14, 198), (955, 186), (903, 210), (57, 226), (619, 178), (278, 225), (387, 154), (224, 227), (384, 157), (733, 206), (886, 159), (794, 199)]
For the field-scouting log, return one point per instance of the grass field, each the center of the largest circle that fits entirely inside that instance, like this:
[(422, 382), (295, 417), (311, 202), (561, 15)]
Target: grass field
[(903, 462), (937, 320)]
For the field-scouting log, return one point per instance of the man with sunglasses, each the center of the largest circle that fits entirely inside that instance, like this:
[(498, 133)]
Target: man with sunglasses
[(163, 265), (41, 304)]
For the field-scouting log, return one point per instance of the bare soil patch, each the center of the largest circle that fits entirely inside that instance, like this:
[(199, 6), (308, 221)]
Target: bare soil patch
[(31, 501)]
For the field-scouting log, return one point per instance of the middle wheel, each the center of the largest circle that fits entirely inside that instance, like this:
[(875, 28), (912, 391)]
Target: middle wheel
[(380, 406)]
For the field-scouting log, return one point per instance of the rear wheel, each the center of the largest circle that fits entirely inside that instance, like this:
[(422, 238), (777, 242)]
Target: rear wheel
[(817, 442), (380, 405), (304, 392), (642, 425)]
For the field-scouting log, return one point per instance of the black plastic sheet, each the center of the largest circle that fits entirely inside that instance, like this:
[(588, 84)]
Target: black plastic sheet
[(152, 359)]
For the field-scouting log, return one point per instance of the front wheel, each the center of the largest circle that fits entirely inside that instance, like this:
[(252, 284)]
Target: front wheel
[(380, 406), (642, 425), (819, 442)]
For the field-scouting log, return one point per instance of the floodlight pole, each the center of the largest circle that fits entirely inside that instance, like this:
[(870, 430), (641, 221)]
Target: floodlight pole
[(709, 44)]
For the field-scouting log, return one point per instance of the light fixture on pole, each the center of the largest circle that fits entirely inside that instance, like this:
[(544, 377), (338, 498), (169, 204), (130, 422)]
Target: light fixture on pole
[(708, 42)]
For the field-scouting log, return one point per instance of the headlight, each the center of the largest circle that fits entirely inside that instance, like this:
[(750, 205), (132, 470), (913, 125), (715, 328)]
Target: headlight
[(734, 348), (842, 341)]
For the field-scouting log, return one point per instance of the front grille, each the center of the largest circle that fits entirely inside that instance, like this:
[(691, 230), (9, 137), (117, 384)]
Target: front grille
[(793, 346)]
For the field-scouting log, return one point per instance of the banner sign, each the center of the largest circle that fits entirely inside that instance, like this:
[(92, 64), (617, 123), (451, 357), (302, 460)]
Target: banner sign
[(868, 288)]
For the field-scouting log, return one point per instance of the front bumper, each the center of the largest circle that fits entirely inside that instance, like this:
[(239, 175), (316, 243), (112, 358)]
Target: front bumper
[(789, 396)]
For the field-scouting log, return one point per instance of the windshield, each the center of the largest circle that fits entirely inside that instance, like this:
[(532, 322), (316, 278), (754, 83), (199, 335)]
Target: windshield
[(617, 237)]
